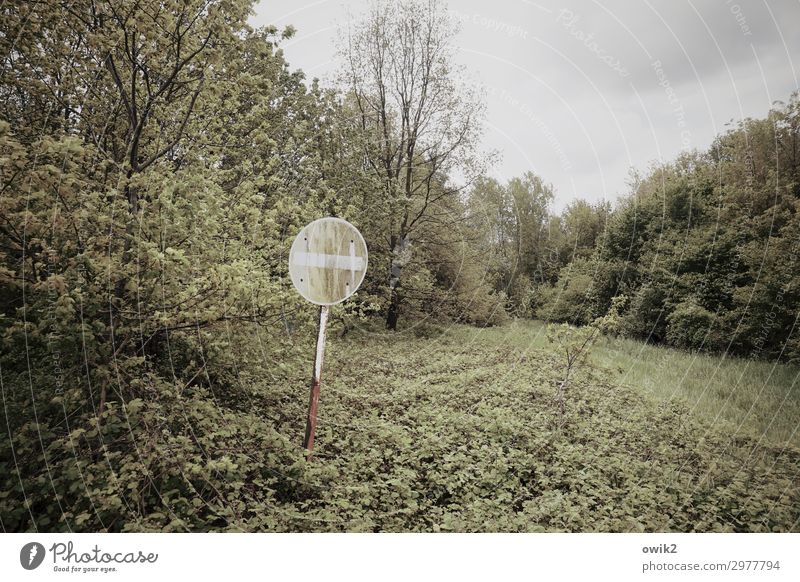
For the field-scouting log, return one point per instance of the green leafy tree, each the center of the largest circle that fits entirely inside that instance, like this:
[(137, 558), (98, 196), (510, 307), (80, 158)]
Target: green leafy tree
[(156, 159), (705, 247)]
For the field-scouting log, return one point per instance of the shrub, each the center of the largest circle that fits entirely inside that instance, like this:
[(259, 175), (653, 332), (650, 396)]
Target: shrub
[(689, 325), (611, 322), (570, 300), (644, 318)]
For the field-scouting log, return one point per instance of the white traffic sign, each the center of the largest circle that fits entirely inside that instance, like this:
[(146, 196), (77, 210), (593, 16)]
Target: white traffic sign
[(327, 264), (328, 261)]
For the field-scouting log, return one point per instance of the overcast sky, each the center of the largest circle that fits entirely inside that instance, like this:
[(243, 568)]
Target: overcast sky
[(581, 91)]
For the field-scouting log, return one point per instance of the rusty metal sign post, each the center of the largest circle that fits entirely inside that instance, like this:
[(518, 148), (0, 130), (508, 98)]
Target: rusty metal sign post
[(327, 264)]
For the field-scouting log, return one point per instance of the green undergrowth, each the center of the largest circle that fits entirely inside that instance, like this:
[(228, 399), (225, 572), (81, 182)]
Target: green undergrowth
[(757, 398), (457, 430), (430, 429)]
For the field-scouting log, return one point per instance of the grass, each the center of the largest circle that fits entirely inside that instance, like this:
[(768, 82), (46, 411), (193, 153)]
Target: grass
[(761, 399), (755, 398)]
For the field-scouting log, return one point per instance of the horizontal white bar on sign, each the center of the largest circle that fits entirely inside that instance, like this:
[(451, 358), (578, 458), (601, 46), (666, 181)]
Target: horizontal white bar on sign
[(323, 261)]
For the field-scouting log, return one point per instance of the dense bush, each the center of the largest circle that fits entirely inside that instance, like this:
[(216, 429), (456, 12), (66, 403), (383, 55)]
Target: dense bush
[(138, 249), (572, 299), (645, 317), (689, 325)]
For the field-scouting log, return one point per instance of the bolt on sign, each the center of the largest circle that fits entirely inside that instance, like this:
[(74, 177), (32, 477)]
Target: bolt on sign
[(327, 264)]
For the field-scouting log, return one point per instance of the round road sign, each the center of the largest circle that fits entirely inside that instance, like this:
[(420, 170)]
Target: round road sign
[(328, 261)]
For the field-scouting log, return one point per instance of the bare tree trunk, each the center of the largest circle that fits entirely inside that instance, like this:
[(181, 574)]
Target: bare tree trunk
[(401, 252), (393, 314)]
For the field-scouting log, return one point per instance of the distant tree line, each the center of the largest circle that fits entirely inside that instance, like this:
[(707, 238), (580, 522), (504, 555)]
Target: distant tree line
[(703, 254)]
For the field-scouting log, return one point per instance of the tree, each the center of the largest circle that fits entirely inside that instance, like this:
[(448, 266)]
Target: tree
[(418, 123), (513, 220), (584, 224), (155, 159), (531, 198)]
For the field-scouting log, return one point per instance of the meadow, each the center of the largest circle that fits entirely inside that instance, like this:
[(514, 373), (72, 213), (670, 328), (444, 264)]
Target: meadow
[(456, 429), (761, 399)]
